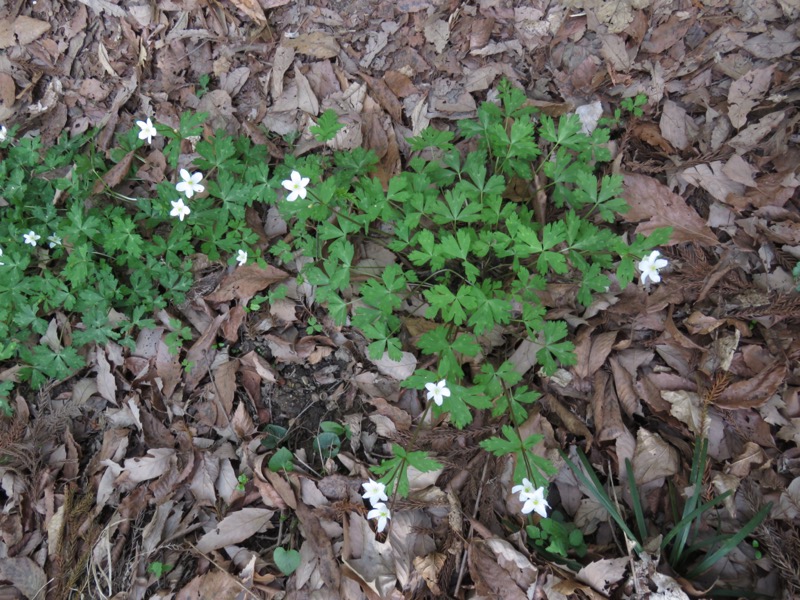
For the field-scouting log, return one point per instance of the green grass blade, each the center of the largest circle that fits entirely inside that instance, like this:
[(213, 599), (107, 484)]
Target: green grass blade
[(637, 501), (596, 489), (687, 520), (731, 543), (695, 479)]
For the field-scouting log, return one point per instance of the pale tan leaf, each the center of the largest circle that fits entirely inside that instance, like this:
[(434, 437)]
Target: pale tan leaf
[(437, 32), (205, 476), (25, 575), (409, 540), (368, 560), (252, 9), (746, 92), (772, 44), (676, 126), (227, 482), (603, 574), (398, 370), (685, 406), (106, 383), (750, 136), (317, 44), (158, 461), (491, 580), (654, 458), (22, 30), (235, 528), (712, 178)]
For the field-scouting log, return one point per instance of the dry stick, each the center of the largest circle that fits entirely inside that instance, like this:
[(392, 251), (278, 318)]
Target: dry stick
[(463, 566), (234, 579)]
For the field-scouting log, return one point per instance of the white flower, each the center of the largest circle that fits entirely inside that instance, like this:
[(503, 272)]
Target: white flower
[(437, 391), (525, 490), (374, 491), (649, 267), (179, 209), (241, 257), (190, 183), (53, 240), (3, 133), (296, 186), (31, 238), (146, 130), (535, 502), (1, 254), (380, 512)]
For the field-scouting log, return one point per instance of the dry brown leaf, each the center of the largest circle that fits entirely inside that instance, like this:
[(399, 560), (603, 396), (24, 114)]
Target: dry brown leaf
[(115, 174), (236, 527), (385, 97), (245, 282), (623, 382), (7, 91), (608, 420), (215, 584), (252, 9), (328, 568), (754, 392), (491, 580), (397, 370), (652, 200), (668, 33), (651, 134), (367, 559), (746, 92)]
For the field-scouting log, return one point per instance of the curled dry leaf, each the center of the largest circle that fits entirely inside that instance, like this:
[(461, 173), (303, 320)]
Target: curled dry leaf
[(245, 282), (755, 391)]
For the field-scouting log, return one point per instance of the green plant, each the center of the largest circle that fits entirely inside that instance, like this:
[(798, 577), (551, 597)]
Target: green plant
[(241, 482), (466, 251), (202, 85), (313, 326), (691, 559), (158, 569), (93, 265), (558, 537), (282, 460), (287, 561), (634, 105)]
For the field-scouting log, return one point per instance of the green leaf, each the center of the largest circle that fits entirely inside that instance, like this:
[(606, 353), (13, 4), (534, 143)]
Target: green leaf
[(327, 126), (431, 138), (287, 561), (281, 460)]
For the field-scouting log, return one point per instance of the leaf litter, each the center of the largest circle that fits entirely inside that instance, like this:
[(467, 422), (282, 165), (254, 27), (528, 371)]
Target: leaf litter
[(139, 460)]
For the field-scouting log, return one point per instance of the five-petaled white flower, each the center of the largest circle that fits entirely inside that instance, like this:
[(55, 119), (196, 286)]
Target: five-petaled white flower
[(382, 513), (534, 502), (374, 491), (437, 391), (650, 265), (296, 186), (190, 183), (241, 257), (179, 209), (525, 490), (53, 240), (147, 130), (31, 238), (3, 133)]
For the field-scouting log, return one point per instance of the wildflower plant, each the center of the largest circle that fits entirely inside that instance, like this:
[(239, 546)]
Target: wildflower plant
[(471, 254)]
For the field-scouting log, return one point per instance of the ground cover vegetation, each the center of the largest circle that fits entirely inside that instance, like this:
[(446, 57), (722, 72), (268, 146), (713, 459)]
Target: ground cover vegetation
[(325, 349)]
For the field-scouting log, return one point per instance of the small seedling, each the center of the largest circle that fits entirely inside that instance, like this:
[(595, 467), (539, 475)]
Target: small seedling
[(242, 479), (281, 460), (287, 561), (158, 569)]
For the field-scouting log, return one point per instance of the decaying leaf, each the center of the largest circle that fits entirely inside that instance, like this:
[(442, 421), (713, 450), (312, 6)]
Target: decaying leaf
[(654, 458), (603, 574), (252, 9), (245, 282)]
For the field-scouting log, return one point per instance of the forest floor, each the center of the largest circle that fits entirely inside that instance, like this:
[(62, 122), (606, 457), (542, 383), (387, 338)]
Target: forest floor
[(121, 485)]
